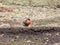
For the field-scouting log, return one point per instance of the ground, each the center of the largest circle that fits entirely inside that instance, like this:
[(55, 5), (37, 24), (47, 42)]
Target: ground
[(14, 15), (31, 38), (40, 16)]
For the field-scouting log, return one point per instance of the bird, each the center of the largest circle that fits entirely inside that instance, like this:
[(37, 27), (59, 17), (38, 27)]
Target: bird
[(27, 22)]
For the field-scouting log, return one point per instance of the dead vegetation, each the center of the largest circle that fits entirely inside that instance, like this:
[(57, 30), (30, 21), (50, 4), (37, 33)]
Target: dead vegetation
[(5, 9)]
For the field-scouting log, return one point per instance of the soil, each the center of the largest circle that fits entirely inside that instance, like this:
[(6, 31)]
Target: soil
[(50, 37)]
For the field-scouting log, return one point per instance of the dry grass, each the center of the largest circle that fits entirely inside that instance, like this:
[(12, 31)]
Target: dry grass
[(48, 21), (51, 3), (38, 15)]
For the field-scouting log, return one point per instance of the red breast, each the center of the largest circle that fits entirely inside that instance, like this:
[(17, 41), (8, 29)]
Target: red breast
[(28, 22)]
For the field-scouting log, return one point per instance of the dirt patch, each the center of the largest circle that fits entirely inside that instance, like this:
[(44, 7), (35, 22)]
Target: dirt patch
[(47, 37)]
